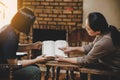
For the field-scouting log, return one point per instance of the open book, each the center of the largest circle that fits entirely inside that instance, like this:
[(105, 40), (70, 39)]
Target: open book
[(51, 48)]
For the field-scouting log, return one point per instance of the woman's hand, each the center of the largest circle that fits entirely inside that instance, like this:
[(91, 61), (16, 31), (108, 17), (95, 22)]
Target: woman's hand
[(68, 49), (40, 58), (72, 49), (60, 58), (66, 59)]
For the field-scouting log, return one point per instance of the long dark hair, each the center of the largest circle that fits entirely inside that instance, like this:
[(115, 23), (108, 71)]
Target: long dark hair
[(97, 22)]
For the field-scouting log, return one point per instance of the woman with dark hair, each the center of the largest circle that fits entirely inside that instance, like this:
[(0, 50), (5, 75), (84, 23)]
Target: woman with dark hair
[(9, 45), (104, 51)]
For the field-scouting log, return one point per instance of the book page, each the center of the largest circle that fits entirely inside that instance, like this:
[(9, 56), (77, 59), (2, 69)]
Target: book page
[(48, 48), (60, 44)]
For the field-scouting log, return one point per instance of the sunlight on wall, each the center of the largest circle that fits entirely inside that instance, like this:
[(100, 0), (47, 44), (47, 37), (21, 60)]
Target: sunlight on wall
[(7, 10)]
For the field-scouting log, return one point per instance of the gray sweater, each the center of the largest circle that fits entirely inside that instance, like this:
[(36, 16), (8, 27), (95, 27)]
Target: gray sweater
[(101, 50)]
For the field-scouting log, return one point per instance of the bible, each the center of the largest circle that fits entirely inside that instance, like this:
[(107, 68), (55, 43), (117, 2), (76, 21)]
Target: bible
[(51, 48)]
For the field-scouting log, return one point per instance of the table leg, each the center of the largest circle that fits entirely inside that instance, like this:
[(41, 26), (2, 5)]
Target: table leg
[(57, 73), (47, 72), (67, 75), (53, 73), (72, 74)]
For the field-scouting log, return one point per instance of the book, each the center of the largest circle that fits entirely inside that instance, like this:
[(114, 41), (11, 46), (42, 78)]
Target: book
[(51, 48)]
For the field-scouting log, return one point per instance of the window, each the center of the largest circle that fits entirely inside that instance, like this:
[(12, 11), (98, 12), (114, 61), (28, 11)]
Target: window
[(7, 10)]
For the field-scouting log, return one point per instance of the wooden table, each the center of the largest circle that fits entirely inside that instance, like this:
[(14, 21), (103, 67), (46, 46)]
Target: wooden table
[(55, 65), (71, 67)]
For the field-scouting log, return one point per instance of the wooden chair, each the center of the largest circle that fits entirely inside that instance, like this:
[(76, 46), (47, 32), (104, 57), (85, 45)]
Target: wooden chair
[(8, 68), (108, 73)]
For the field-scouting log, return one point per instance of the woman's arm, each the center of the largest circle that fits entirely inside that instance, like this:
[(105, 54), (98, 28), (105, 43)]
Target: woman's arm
[(69, 60), (27, 62), (72, 49), (32, 61)]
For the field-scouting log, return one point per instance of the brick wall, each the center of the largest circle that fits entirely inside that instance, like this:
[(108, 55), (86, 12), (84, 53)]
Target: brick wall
[(55, 14)]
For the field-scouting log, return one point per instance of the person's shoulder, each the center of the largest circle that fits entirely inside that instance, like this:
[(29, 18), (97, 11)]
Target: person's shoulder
[(106, 41), (106, 38), (4, 28)]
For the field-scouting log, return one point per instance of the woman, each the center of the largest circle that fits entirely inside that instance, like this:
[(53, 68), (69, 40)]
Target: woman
[(104, 51), (9, 45)]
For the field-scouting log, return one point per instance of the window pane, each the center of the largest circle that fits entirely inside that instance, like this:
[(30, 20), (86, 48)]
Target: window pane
[(7, 10)]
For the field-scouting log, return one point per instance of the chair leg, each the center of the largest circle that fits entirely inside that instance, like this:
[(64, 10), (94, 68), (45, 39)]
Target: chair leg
[(11, 74), (89, 76)]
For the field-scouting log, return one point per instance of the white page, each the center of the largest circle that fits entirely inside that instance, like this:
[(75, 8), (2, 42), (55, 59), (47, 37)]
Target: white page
[(60, 44), (48, 48)]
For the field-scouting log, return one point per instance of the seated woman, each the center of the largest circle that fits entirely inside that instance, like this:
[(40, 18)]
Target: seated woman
[(104, 51)]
